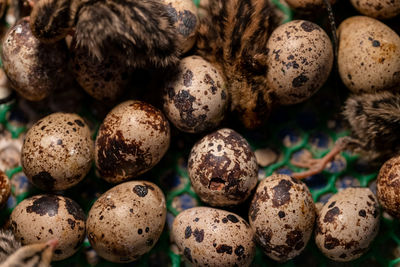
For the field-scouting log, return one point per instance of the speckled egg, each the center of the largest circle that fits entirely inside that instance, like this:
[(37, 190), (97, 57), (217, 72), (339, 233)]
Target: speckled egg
[(300, 58), (282, 214), (57, 152), (380, 9), (126, 221), (5, 189), (213, 237), (222, 168), (132, 139), (388, 186), (197, 99), (347, 224), (186, 21), (307, 6), (369, 53), (33, 68), (45, 217)]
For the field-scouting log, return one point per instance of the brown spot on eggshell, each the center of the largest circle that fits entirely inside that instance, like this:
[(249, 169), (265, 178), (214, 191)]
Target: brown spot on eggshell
[(44, 180), (331, 215), (47, 204), (281, 194)]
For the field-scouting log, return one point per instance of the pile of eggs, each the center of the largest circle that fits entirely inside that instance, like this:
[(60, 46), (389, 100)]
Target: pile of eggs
[(126, 221)]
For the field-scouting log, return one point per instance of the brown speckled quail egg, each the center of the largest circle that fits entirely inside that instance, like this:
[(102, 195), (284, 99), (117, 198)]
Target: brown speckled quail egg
[(380, 9), (126, 221), (5, 189), (300, 58), (213, 237), (282, 214), (57, 152), (186, 21), (388, 186), (347, 224), (222, 168), (197, 99), (33, 68), (307, 6), (45, 217), (132, 139), (368, 56)]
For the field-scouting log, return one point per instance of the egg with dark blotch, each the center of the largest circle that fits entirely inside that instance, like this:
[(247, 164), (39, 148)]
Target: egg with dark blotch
[(5, 189), (132, 139), (213, 237), (126, 221), (34, 69), (197, 99), (368, 56), (222, 168), (57, 152), (300, 58), (347, 224), (44, 217), (388, 186), (186, 22), (380, 9), (282, 214)]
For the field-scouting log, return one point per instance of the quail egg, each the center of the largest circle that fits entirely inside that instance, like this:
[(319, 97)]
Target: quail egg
[(388, 186), (380, 9), (5, 189), (307, 6)]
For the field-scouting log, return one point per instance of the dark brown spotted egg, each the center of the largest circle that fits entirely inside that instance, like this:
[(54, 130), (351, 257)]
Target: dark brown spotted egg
[(57, 152), (126, 221), (282, 214), (368, 56), (347, 224), (222, 168), (197, 99), (300, 58), (380, 9), (34, 69), (132, 139), (45, 217), (388, 186), (5, 189), (213, 237)]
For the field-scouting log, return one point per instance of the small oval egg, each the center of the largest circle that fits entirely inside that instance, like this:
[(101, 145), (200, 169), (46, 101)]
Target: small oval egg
[(379, 9), (300, 58), (307, 6), (368, 56), (132, 139), (282, 214), (126, 221), (213, 237), (198, 98), (388, 186), (186, 21), (44, 217), (347, 224), (34, 69), (5, 189), (57, 152), (222, 168)]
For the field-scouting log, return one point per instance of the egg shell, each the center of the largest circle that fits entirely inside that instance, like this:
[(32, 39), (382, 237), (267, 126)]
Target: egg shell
[(213, 237), (347, 224), (33, 68), (282, 214), (223, 168), (185, 19), (380, 9), (307, 6), (368, 56), (126, 221), (388, 186), (57, 152), (5, 189), (198, 98), (44, 217), (300, 58), (132, 139)]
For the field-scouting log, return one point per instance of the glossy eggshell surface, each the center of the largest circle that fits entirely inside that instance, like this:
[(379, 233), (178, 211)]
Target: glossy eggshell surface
[(126, 221), (282, 214), (347, 224), (388, 186), (45, 217), (213, 237), (222, 168)]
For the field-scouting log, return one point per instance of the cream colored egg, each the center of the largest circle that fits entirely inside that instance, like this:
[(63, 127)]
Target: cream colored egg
[(300, 58), (347, 224), (213, 237), (380, 9), (126, 221), (282, 214), (369, 53), (307, 6), (388, 186)]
